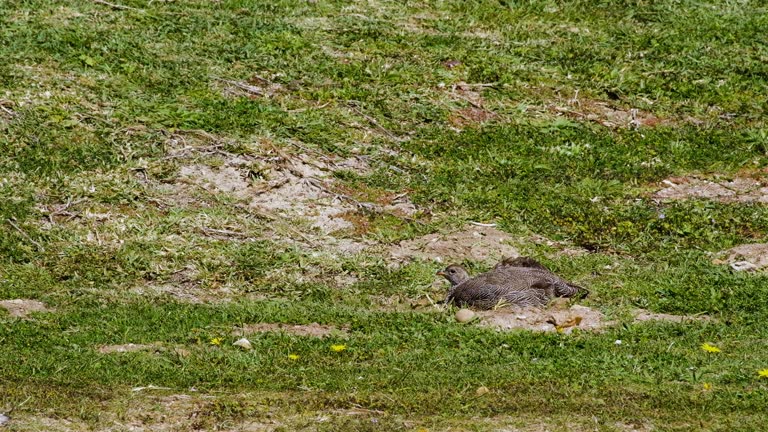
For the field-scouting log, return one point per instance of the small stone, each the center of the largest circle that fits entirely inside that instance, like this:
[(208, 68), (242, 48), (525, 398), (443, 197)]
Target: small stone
[(482, 390), (743, 266), (243, 343), (464, 315), (4, 419), (618, 342)]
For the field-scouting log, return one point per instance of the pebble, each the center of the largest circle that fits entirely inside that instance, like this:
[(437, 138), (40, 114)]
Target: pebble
[(464, 315), (243, 343)]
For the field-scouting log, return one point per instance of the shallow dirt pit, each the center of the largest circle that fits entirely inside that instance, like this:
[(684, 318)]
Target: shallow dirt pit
[(21, 308), (747, 257), (312, 330), (737, 189), (478, 243), (546, 320), (561, 318)]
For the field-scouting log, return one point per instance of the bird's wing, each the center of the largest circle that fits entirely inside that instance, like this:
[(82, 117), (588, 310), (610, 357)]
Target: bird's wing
[(553, 284), (478, 291)]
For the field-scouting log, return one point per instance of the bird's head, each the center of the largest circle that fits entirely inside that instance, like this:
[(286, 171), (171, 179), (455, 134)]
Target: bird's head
[(455, 274)]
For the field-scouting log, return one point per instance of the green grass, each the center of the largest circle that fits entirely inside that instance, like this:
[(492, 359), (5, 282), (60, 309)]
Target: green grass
[(99, 101)]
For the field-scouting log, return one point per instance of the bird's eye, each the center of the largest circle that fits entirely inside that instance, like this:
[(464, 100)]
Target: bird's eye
[(451, 271)]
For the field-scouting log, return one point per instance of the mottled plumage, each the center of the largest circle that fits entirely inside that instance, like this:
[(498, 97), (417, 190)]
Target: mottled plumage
[(521, 282)]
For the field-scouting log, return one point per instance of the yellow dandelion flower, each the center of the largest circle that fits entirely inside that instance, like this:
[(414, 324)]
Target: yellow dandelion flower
[(338, 348), (215, 341), (707, 386), (710, 348), (293, 356), (763, 373)]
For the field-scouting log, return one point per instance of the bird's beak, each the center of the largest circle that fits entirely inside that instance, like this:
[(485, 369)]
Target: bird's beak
[(440, 273)]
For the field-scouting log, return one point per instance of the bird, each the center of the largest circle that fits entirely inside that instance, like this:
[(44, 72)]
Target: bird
[(520, 282)]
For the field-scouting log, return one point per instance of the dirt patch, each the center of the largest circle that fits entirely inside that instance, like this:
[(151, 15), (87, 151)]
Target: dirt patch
[(643, 315), (561, 318), (124, 348), (222, 179), (545, 320), (470, 116), (478, 243), (738, 189), (184, 285), (606, 114), (21, 308), (295, 186), (312, 330), (745, 257)]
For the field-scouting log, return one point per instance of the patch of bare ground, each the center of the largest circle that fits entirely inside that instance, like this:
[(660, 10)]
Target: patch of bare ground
[(311, 330), (644, 315), (21, 308), (479, 243), (39, 423), (296, 191), (465, 93), (606, 114), (746, 257), (563, 319), (470, 116), (559, 317), (719, 188)]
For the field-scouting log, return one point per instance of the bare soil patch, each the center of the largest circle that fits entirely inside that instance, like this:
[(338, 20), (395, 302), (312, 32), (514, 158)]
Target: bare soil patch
[(606, 114), (545, 320), (21, 308), (311, 330), (747, 257), (558, 317), (478, 243), (470, 116), (644, 315), (735, 189)]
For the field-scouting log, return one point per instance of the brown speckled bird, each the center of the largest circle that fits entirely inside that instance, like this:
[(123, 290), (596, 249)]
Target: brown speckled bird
[(520, 282)]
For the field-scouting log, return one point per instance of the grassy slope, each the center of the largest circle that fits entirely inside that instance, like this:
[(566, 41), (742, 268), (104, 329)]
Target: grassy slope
[(96, 92)]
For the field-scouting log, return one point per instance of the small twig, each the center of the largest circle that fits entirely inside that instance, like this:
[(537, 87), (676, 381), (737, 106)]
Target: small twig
[(301, 110), (26, 236), (480, 85), (351, 105), (149, 387), (223, 232), (258, 91), (8, 111), (480, 224), (117, 6)]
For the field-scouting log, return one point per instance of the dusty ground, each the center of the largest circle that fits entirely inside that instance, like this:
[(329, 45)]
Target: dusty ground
[(747, 257), (477, 243), (563, 318), (21, 308), (735, 189), (312, 330)]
